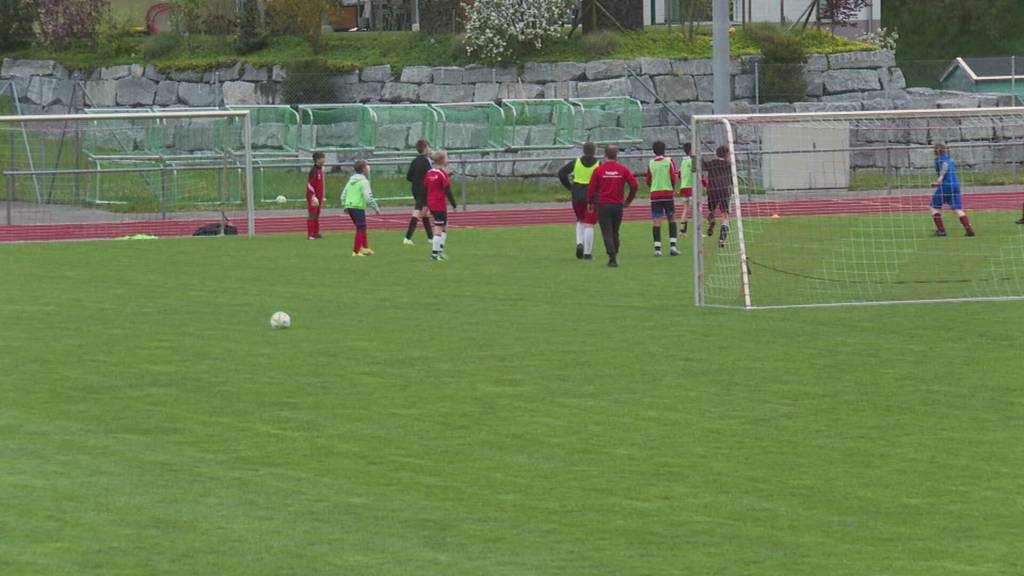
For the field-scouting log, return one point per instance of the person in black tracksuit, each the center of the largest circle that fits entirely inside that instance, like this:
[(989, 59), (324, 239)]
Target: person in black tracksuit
[(418, 168)]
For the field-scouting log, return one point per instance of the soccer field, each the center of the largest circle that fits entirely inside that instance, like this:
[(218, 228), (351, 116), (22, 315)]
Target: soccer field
[(513, 411)]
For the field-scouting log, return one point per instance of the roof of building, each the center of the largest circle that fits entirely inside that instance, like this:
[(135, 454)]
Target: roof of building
[(989, 68)]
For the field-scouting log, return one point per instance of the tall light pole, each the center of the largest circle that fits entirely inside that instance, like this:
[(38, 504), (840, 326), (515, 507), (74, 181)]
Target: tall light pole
[(720, 57)]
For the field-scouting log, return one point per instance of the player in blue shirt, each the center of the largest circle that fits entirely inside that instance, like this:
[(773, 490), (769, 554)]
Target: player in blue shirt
[(947, 191)]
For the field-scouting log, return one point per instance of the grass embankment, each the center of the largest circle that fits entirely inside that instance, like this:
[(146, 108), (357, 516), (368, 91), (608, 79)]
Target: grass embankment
[(346, 51)]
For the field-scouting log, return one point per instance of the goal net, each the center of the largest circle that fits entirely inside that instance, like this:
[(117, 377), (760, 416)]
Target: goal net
[(835, 208), (94, 175)]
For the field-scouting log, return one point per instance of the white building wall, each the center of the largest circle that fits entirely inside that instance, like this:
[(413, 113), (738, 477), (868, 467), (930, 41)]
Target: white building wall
[(763, 10)]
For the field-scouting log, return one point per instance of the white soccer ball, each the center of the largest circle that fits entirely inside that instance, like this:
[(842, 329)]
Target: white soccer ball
[(280, 320), (281, 199)]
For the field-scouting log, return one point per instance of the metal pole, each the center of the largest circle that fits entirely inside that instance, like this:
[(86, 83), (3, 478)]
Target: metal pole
[(462, 185), (10, 182), (757, 83), (698, 246), (1013, 75), (720, 57), (78, 161), (249, 196), (10, 199), (163, 192), (1013, 88)]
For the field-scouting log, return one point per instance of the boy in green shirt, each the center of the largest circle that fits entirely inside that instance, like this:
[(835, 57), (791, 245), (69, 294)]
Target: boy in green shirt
[(355, 197)]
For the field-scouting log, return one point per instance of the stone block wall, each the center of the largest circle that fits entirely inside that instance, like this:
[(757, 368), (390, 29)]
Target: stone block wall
[(671, 90)]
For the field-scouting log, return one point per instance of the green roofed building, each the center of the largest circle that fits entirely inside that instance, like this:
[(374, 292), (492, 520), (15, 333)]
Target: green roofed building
[(999, 74)]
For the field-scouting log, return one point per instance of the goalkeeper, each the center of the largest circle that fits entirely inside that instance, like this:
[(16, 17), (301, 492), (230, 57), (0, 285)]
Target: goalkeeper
[(719, 183), (354, 197), (947, 192)]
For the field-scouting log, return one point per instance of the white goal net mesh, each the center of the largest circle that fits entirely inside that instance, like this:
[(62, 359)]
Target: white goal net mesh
[(89, 175), (836, 208)]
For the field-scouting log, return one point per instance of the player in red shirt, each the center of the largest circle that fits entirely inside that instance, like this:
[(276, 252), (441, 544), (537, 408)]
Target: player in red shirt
[(315, 196), (607, 187), (439, 193), (719, 184)]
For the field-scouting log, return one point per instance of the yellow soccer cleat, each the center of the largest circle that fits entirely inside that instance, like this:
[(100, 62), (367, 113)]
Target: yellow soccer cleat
[(367, 252)]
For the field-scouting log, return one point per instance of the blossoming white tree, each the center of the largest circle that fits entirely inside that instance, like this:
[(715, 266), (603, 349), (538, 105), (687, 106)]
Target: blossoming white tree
[(497, 29)]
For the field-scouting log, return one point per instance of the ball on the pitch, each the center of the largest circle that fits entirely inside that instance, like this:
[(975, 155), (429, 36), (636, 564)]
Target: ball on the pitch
[(281, 199), (280, 320)]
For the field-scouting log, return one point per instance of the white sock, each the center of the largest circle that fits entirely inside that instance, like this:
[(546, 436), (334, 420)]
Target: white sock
[(588, 240), (444, 239), (579, 233), (437, 243)]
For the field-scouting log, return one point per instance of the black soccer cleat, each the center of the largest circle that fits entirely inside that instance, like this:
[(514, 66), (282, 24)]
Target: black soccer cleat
[(969, 232), (613, 264), (1021, 221), (579, 251), (940, 233), (588, 256)]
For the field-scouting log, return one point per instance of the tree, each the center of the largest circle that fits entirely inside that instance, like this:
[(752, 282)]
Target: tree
[(841, 12), (63, 21), (16, 19), (498, 30)]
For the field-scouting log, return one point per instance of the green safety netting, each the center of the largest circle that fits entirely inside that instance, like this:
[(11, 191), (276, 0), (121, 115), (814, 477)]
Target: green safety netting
[(336, 127), (397, 127), (608, 120), (119, 137), (471, 127), (275, 129), (538, 123)]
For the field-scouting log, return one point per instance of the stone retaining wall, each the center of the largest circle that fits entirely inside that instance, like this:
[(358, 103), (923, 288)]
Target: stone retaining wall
[(669, 89)]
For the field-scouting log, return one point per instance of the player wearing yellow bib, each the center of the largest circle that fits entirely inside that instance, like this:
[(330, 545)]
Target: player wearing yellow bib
[(662, 178), (575, 177)]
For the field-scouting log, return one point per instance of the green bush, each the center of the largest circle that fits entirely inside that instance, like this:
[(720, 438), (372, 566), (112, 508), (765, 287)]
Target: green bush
[(114, 37), (298, 17), (252, 35), (16, 20), (161, 45), (600, 44), (781, 77)]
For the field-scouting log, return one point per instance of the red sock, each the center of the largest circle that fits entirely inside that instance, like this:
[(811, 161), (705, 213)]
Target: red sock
[(357, 242), (966, 222), (938, 222), (316, 227), (366, 240)]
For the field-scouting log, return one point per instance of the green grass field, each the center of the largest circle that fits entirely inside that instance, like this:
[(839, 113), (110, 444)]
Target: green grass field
[(513, 411)]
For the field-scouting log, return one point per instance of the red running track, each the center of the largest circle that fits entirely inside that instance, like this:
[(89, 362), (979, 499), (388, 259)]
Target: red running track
[(491, 218)]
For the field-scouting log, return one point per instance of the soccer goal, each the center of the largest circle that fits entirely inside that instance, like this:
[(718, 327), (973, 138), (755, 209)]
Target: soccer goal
[(99, 170), (828, 209)]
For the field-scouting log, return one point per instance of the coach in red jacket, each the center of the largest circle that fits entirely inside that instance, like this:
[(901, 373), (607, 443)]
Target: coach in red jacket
[(606, 191)]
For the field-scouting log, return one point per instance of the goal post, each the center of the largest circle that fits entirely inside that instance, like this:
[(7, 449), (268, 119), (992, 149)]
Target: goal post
[(118, 167), (828, 209)]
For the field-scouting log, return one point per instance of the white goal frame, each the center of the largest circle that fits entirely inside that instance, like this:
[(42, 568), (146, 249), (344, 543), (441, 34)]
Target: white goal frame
[(703, 123), (247, 167)]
